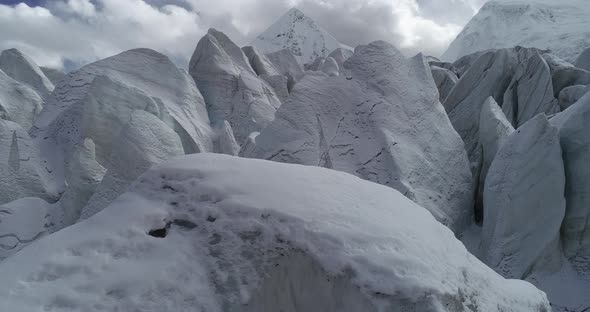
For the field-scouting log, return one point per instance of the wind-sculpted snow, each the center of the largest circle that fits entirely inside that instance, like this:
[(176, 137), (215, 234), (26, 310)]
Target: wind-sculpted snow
[(21, 172), (560, 26), (24, 70), (380, 120), (97, 101), (144, 142), (530, 92), (300, 35), (218, 233), (494, 129), (18, 103), (524, 202), (231, 88)]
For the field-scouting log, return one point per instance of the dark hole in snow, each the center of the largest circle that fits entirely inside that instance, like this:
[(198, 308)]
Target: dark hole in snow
[(168, 187), (160, 233), (211, 219)]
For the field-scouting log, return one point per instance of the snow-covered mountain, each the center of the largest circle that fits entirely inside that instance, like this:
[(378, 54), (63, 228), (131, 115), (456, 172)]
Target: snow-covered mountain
[(301, 35), (560, 26)]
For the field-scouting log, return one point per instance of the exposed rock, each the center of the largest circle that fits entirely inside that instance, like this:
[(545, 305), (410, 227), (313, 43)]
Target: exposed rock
[(24, 70), (231, 88), (18, 103), (570, 95), (144, 142), (330, 67), (380, 120), (494, 129), (233, 234), (530, 93), (583, 60), (524, 202), (21, 172), (445, 81)]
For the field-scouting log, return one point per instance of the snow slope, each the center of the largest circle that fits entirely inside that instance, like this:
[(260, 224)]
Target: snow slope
[(561, 26), (232, 234), (300, 34)]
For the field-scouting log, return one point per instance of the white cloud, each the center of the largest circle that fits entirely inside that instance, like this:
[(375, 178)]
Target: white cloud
[(82, 31)]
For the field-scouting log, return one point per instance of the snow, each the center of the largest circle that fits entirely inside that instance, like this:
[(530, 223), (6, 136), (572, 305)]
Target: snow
[(583, 60), (21, 171), (54, 75), (494, 129), (445, 81), (560, 26), (144, 142), (24, 70), (301, 35), (530, 92), (21, 222), (381, 120), (230, 87), (490, 75), (18, 103), (570, 95), (573, 126), (253, 235), (524, 202)]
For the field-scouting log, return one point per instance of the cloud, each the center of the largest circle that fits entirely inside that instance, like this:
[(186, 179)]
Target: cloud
[(81, 31)]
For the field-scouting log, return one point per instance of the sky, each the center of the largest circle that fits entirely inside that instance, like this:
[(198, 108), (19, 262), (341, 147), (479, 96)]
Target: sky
[(71, 33)]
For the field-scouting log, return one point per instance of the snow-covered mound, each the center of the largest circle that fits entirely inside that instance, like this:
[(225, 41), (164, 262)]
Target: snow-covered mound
[(18, 102), (381, 120), (24, 70), (560, 26), (218, 233), (230, 87), (301, 35)]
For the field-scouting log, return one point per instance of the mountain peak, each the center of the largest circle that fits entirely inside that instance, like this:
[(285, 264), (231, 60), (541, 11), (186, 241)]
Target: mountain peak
[(299, 34)]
